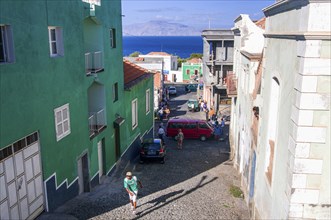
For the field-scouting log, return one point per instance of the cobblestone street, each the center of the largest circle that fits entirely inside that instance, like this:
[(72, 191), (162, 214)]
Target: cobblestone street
[(194, 183)]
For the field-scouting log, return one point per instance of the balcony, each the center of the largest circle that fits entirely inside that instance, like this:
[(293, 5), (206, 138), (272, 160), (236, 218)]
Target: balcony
[(231, 85), (97, 122), (93, 62)]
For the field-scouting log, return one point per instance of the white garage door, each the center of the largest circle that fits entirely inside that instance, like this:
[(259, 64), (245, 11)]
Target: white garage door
[(21, 185)]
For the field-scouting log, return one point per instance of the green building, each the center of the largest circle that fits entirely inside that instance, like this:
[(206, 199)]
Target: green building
[(62, 99), (192, 70), (138, 107)]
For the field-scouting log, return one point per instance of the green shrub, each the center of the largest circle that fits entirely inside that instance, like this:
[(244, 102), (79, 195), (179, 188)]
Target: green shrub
[(236, 191)]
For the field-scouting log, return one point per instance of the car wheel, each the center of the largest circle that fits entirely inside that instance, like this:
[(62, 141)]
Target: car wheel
[(203, 138)]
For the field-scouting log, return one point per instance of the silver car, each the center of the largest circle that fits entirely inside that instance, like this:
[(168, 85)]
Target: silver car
[(172, 90)]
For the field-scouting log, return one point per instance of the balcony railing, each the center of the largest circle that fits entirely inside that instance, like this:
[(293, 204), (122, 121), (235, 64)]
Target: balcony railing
[(231, 84), (96, 121), (93, 62)]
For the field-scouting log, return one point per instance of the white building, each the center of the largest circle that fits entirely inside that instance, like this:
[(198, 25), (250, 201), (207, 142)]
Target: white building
[(291, 179), (170, 64), (248, 47)]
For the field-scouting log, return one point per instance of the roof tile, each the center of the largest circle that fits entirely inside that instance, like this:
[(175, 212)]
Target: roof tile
[(132, 72), (159, 53)]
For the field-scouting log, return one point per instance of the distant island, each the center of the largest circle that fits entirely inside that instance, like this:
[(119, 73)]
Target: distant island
[(160, 28)]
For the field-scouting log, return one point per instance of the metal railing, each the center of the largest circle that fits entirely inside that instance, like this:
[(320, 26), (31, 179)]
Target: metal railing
[(97, 58), (88, 63), (93, 62), (96, 121)]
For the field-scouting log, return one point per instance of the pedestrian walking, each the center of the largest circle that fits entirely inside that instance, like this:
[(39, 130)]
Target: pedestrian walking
[(161, 133), (222, 125), (205, 106), (131, 185), (180, 138), (160, 113), (207, 114), (211, 113), (217, 131), (201, 106), (166, 112)]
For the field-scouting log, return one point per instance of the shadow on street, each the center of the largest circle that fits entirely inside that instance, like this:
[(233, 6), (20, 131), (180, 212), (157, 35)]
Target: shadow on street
[(180, 165)]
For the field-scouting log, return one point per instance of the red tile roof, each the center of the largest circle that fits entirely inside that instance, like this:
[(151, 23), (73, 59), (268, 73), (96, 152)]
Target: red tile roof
[(140, 59), (194, 60), (261, 23), (159, 53), (133, 73)]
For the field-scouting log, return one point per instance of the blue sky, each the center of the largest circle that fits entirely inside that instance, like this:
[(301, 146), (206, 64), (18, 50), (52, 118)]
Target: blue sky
[(196, 13)]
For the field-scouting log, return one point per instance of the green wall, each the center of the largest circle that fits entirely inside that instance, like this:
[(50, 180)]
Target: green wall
[(145, 121), (191, 68), (35, 84)]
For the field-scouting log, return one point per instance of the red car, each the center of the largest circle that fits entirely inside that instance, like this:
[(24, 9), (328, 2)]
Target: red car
[(192, 128)]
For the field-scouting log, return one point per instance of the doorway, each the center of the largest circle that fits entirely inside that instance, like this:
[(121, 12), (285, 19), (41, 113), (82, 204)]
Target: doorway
[(117, 142), (252, 178), (83, 174)]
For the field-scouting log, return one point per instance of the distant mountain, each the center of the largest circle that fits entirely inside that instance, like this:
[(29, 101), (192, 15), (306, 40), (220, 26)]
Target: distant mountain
[(160, 28)]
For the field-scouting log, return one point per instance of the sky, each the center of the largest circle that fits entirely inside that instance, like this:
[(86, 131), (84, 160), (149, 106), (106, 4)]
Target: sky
[(202, 14)]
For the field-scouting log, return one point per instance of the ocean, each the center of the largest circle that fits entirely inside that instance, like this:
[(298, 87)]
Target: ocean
[(176, 45)]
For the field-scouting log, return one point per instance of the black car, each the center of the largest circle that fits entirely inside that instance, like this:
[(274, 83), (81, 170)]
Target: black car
[(152, 149)]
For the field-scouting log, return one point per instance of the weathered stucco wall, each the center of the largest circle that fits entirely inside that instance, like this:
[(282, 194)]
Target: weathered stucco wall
[(296, 54)]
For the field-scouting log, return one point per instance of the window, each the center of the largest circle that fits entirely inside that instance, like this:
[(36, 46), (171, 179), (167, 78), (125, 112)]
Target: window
[(115, 92), (203, 125), (190, 126), (112, 33), (62, 121), (188, 72), (176, 125), (272, 128), (55, 41), (6, 44), (148, 101), (134, 109)]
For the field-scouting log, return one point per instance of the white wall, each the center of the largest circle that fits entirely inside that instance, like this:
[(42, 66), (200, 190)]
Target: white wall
[(301, 174)]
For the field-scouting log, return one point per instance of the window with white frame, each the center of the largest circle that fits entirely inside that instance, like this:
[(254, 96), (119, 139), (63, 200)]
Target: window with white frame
[(55, 41), (62, 121), (6, 44), (112, 36), (148, 100), (134, 108)]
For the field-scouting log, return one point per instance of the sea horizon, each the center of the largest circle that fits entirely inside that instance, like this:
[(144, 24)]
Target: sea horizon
[(182, 46)]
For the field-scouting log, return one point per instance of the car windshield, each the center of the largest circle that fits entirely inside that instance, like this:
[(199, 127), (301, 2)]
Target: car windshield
[(153, 146), (172, 88)]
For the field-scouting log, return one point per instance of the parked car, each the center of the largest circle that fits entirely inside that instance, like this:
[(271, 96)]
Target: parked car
[(152, 149), (172, 90), (192, 128), (191, 87), (193, 105)]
